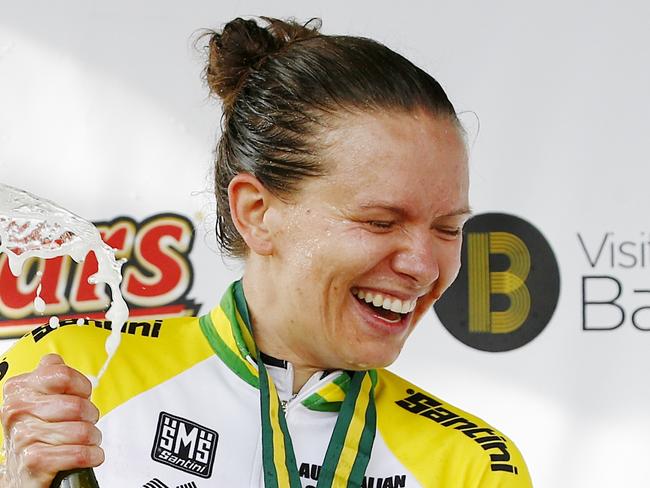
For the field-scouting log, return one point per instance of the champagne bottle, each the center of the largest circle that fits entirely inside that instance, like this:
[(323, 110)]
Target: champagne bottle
[(76, 478)]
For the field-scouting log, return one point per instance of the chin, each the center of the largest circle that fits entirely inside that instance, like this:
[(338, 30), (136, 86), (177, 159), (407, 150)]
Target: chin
[(372, 360)]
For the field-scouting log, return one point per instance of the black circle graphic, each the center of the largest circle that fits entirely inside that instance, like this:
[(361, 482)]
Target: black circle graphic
[(542, 282)]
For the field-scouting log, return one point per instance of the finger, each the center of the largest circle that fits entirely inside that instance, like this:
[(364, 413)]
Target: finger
[(60, 378), (49, 408), (64, 408), (48, 460), (48, 379), (33, 431)]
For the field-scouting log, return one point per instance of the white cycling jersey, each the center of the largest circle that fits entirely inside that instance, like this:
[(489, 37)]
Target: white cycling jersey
[(180, 407)]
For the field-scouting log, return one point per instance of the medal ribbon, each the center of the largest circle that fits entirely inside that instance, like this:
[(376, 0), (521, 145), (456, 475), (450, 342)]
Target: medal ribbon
[(229, 332)]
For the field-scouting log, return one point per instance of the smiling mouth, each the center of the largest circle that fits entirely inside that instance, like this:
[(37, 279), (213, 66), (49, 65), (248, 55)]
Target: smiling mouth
[(389, 309)]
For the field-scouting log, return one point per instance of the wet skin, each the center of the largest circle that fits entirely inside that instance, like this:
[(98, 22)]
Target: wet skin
[(49, 423), (387, 219)]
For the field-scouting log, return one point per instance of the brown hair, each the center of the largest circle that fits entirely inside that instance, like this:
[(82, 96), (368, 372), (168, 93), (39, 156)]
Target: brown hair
[(280, 83)]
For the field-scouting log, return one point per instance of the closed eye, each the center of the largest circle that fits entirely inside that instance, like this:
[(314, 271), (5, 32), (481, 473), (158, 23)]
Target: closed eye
[(452, 232), (381, 224)]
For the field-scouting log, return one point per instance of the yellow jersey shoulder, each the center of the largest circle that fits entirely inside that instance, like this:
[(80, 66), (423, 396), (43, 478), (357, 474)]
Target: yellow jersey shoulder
[(443, 445), (81, 342), (141, 361)]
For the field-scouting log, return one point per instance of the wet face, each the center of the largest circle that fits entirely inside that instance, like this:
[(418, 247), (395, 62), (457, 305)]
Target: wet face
[(362, 253)]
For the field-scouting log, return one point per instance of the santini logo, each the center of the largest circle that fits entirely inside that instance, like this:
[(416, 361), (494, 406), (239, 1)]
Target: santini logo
[(184, 445)]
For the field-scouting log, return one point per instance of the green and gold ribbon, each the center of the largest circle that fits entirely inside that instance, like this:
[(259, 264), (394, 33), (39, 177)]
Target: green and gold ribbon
[(228, 330)]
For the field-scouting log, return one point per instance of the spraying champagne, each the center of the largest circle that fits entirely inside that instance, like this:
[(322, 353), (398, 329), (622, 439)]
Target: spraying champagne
[(32, 227)]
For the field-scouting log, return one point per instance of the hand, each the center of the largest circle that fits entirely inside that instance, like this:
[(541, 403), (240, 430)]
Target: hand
[(49, 424)]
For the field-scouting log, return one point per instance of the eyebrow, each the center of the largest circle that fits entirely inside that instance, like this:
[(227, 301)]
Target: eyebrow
[(404, 213), (461, 211)]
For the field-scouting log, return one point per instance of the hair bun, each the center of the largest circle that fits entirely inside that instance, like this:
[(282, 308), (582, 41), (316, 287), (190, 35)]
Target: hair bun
[(242, 44)]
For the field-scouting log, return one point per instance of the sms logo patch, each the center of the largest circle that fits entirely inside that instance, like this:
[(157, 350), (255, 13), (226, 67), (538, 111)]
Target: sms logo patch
[(184, 445)]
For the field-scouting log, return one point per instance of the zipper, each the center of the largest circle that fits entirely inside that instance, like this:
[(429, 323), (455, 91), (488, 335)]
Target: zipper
[(301, 395), (284, 403)]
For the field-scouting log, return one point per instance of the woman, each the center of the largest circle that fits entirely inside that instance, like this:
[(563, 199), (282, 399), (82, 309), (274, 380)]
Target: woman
[(342, 182)]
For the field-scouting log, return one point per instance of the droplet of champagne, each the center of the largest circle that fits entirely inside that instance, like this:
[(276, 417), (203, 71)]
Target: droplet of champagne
[(39, 303)]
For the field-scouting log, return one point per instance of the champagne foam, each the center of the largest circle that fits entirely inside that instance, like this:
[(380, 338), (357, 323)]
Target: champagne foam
[(33, 227)]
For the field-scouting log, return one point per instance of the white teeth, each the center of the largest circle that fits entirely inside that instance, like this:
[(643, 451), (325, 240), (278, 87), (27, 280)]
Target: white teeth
[(379, 300)]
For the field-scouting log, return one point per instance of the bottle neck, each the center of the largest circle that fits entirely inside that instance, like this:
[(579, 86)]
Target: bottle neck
[(76, 478)]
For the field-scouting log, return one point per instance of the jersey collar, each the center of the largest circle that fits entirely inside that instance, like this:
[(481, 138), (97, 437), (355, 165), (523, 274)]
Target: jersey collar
[(228, 330)]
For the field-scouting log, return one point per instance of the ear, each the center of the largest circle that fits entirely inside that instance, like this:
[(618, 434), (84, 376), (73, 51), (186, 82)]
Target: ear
[(249, 201)]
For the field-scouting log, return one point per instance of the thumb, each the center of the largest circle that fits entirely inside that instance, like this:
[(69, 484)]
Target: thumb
[(51, 359)]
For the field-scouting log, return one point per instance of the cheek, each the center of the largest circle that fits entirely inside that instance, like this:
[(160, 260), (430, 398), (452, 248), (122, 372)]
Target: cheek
[(371, 247), (353, 251), (302, 247), (450, 264), (325, 266)]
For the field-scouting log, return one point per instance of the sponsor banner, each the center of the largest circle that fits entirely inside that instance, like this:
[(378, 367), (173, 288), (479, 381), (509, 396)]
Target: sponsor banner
[(615, 288), (157, 277), (507, 288)]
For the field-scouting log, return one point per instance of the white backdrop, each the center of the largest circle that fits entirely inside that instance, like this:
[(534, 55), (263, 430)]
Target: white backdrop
[(103, 111)]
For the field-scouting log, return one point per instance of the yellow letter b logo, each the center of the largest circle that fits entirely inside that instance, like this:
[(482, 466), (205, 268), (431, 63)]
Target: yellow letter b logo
[(484, 283), (507, 287)]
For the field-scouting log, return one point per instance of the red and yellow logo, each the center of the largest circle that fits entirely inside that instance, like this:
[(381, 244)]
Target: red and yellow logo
[(157, 277)]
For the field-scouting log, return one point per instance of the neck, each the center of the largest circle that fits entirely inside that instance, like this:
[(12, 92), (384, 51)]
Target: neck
[(271, 334), (301, 376)]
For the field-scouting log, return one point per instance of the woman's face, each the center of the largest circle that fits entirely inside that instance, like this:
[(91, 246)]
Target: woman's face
[(383, 226)]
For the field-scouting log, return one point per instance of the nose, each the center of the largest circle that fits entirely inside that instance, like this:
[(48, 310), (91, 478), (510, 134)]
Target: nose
[(417, 258)]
